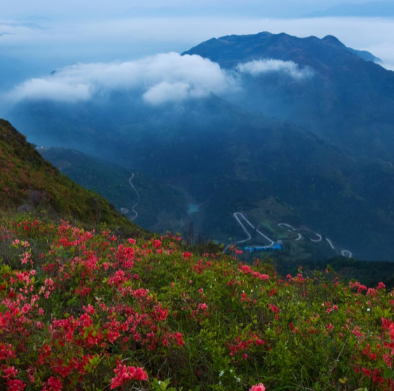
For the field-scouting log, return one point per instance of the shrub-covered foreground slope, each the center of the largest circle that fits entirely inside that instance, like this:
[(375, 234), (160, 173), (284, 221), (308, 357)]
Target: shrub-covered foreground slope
[(28, 182), (84, 310)]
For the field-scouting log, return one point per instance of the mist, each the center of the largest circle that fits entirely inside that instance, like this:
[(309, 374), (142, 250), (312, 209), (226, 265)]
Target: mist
[(156, 80), (290, 68)]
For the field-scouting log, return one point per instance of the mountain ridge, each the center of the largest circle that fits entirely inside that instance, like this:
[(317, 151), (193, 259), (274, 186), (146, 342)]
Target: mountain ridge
[(30, 184), (348, 101), (327, 154)]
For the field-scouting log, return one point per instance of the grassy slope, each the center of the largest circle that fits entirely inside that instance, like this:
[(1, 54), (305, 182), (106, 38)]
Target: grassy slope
[(27, 179)]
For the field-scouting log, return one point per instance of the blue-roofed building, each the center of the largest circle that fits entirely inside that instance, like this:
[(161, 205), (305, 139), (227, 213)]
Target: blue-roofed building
[(254, 249)]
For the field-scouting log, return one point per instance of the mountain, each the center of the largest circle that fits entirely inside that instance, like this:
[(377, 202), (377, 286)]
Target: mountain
[(30, 184), (321, 54), (376, 9), (320, 142), (365, 55), (229, 160), (343, 98), (159, 207)]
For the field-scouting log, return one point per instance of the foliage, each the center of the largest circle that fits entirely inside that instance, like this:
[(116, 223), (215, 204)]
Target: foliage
[(27, 180), (88, 310), (367, 272)]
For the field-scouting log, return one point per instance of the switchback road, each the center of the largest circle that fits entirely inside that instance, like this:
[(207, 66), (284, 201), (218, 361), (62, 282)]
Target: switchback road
[(238, 216), (125, 210), (344, 253)]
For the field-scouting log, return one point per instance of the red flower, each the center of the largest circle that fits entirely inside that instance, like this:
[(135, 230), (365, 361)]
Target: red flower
[(124, 374), (16, 385), (10, 372), (53, 384), (258, 387)]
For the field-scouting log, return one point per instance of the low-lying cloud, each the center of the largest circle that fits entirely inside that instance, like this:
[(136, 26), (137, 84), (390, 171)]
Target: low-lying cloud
[(256, 68), (56, 90), (161, 78), (157, 79)]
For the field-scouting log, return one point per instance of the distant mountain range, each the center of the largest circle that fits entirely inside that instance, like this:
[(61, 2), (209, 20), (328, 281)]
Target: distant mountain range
[(348, 101), (377, 9), (328, 155)]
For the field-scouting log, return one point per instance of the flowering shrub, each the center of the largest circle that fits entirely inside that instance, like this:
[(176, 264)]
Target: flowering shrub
[(86, 310)]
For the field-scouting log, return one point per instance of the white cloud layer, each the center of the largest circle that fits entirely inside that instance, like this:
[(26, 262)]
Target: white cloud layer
[(158, 79), (161, 78), (46, 89), (290, 68)]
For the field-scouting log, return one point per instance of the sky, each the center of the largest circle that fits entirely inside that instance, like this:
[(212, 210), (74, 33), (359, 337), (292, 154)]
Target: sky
[(49, 35), (69, 41), (95, 8)]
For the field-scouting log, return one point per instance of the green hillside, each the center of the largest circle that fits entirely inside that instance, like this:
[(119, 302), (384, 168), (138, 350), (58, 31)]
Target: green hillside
[(28, 183)]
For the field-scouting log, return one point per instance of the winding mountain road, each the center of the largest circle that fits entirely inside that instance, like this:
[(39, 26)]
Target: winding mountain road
[(238, 216), (138, 199), (344, 253), (319, 238), (330, 243)]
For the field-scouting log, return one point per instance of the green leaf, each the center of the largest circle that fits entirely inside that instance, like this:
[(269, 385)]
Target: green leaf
[(388, 373)]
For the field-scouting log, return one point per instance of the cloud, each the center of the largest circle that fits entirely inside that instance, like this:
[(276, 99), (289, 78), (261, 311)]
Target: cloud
[(166, 92), (290, 68), (55, 90), (159, 79)]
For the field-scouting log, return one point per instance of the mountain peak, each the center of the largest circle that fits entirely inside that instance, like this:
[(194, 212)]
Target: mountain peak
[(314, 52), (333, 40)]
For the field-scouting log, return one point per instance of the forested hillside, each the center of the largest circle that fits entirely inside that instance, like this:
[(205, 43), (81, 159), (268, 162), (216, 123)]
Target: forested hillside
[(28, 183)]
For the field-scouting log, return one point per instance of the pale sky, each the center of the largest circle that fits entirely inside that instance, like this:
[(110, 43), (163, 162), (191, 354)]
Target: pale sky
[(94, 8), (91, 31)]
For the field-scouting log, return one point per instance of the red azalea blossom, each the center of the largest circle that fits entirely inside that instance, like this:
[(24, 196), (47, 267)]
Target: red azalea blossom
[(15, 385), (124, 374), (258, 387)]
